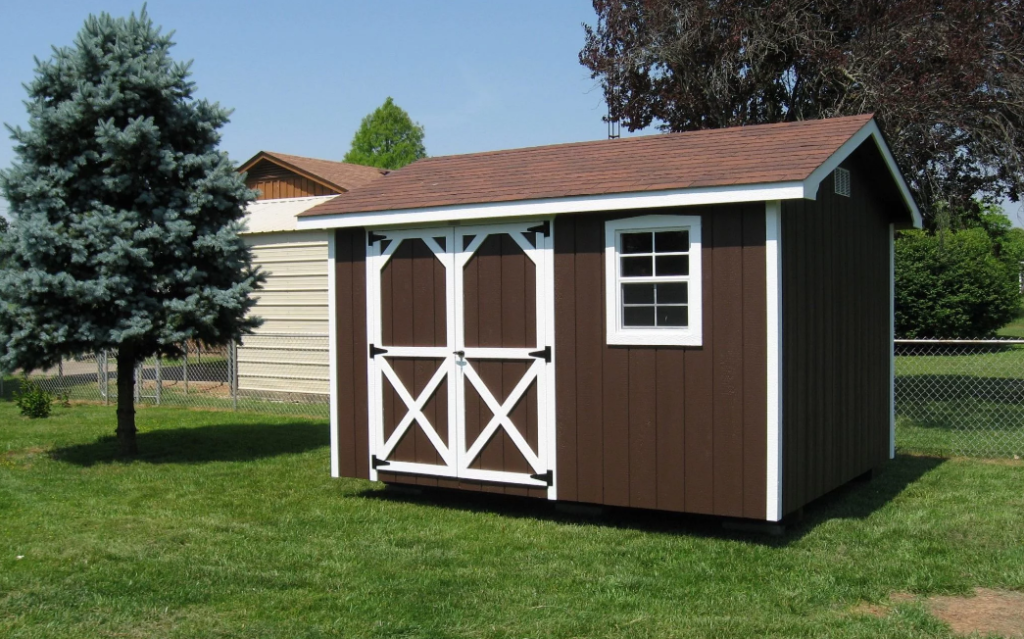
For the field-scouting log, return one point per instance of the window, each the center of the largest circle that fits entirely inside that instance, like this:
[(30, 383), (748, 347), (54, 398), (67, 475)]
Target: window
[(652, 270)]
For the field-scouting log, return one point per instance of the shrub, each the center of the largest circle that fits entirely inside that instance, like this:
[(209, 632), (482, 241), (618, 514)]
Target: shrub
[(952, 285), (32, 400)]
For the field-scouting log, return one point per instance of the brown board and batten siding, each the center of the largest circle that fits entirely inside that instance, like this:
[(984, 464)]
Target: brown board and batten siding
[(835, 337), (351, 384), (274, 182), (670, 428)]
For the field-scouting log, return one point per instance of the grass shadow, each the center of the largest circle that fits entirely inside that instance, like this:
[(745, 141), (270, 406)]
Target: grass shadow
[(860, 498), (10, 386), (855, 500), (215, 443)]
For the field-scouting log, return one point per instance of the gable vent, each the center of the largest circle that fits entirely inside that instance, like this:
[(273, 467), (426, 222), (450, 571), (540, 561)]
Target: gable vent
[(842, 180)]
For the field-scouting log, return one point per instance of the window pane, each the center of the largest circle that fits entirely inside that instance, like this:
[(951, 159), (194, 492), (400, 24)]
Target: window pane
[(636, 267), (638, 316), (638, 293), (672, 293), (673, 264), (672, 316), (637, 243), (672, 241)]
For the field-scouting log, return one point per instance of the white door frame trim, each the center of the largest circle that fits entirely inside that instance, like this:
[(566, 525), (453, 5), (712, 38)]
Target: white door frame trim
[(459, 454)]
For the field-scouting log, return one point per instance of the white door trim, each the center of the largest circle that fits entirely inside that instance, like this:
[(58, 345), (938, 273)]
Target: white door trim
[(455, 367)]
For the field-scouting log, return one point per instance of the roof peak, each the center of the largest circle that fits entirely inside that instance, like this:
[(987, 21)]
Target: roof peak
[(863, 118)]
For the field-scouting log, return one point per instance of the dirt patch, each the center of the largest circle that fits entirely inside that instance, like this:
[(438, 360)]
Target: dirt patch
[(988, 612), (870, 610)]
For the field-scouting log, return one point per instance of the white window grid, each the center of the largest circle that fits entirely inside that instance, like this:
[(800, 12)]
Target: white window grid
[(654, 278)]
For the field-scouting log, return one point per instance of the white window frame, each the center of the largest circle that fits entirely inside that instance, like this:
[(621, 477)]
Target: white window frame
[(691, 335)]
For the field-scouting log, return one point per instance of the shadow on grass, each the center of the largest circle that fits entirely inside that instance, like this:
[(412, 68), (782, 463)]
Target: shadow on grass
[(855, 500), (10, 386), (215, 443)]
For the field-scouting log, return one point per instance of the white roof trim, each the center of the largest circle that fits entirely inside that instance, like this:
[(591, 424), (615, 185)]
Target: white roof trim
[(806, 189), (274, 216), (869, 130), (555, 206)]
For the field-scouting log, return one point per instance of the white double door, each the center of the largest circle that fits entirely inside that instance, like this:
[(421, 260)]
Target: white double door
[(460, 326)]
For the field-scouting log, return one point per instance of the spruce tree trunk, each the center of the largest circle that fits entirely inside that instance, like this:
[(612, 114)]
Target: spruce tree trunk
[(126, 360)]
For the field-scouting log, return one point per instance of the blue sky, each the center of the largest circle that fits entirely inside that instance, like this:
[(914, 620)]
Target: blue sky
[(478, 75)]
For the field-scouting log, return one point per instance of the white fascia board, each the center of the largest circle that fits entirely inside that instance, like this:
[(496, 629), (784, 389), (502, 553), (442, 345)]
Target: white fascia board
[(869, 130), (555, 206)]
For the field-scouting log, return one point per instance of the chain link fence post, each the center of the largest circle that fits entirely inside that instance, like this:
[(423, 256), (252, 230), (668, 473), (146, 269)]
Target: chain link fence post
[(233, 373), (159, 379)]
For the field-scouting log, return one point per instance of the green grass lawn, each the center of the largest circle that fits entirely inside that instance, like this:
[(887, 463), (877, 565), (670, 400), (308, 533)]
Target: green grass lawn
[(229, 526)]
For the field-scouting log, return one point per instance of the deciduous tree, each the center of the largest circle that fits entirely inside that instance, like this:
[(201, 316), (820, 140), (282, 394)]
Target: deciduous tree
[(387, 139), (125, 216), (944, 78)]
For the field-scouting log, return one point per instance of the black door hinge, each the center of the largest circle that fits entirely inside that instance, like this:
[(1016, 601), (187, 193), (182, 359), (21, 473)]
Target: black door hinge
[(544, 228), (543, 354), (377, 462), (547, 477), (372, 237), (374, 351)]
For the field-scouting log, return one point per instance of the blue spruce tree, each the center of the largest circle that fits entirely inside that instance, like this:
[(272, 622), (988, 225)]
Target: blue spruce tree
[(124, 215)]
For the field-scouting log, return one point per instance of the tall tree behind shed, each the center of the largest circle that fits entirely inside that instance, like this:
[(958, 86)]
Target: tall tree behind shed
[(945, 79), (387, 139), (125, 216)]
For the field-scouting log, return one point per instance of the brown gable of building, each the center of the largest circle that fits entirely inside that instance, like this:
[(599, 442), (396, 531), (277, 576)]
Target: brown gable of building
[(279, 175), (760, 154)]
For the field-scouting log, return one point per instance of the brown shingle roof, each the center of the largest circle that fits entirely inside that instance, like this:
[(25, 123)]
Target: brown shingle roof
[(721, 157), (342, 175)]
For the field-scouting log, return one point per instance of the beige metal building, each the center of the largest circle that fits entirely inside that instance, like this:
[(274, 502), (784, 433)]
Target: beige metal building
[(289, 352)]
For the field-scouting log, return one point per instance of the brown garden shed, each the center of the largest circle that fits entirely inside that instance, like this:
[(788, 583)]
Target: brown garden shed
[(695, 322)]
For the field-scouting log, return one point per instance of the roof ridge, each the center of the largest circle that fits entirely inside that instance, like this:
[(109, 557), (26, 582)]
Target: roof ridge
[(866, 117)]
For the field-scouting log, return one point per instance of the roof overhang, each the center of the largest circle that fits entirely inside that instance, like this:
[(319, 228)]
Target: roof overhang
[(805, 189), (275, 216)]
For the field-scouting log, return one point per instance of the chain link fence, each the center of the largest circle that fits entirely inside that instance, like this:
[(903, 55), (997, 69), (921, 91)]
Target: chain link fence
[(268, 373), (960, 397)]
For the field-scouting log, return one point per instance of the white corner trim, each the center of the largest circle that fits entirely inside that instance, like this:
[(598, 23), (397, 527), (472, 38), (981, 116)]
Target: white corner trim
[(892, 342), (773, 298), (332, 351), (869, 130), (615, 334), (555, 206)]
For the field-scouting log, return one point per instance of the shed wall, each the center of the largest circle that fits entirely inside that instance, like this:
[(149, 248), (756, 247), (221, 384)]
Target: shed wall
[(293, 302), (671, 428), (835, 339)]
